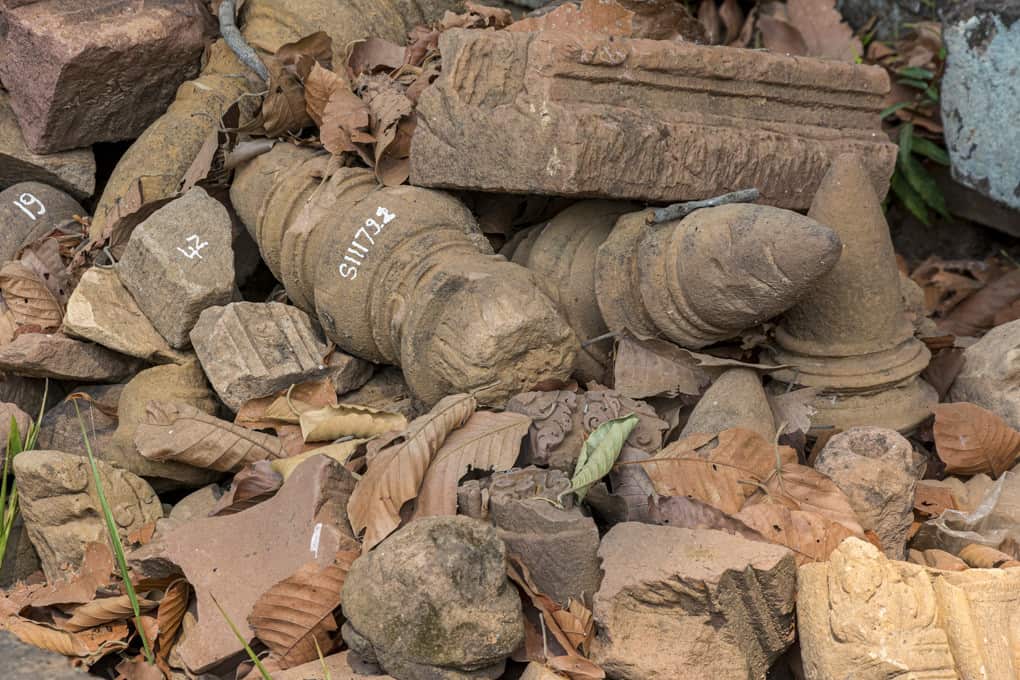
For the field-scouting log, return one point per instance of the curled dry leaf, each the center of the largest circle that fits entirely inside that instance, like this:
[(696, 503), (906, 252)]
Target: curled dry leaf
[(823, 29), (43, 257), (723, 476), (332, 422), (299, 56), (105, 610), (31, 302), (575, 667), (654, 368), (986, 557), (809, 535), (297, 613), (708, 16), (593, 16), (932, 498), (804, 488), (170, 614), (345, 122), (691, 513), (980, 312), (794, 408), (340, 452), (778, 34), (395, 474), (487, 441), (180, 432), (576, 622), (373, 55), (971, 440), (283, 109), (96, 568), (252, 485), (320, 85), (732, 19), (938, 559), (91, 644)]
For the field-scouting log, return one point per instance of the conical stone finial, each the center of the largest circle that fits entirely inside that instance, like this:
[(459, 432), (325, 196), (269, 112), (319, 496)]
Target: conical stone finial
[(849, 335)]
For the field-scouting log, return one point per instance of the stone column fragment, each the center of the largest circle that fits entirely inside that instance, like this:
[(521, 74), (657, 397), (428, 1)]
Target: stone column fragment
[(598, 116), (849, 335)]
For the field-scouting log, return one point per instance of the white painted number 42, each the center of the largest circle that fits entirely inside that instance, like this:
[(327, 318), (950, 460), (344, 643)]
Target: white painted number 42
[(356, 252)]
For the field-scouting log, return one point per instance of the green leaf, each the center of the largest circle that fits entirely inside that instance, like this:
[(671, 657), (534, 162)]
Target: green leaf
[(906, 142), (599, 453), (910, 198), (916, 73), (929, 149), (932, 92), (893, 109), (920, 180), (913, 82)]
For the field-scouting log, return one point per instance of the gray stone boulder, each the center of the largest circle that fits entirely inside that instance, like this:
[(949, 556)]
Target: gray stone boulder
[(989, 377), (433, 602)]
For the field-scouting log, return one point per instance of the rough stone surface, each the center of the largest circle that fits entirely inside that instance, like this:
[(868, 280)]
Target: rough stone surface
[(184, 383), (537, 671), (863, 616), (31, 210), (236, 558), (433, 602), (195, 505), (559, 547), (27, 393), (562, 420), (71, 171), (386, 390), (178, 262), (980, 97), (620, 118), (102, 310), (878, 471), (45, 355), (474, 495), (342, 666), (894, 16), (20, 559), (682, 603), (988, 376), (252, 349), (60, 504), (735, 399), (28, 662), (96, 71), (61, 430), (849, 336)]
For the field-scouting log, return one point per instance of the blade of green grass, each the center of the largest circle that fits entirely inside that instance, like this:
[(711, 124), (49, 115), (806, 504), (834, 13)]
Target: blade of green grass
[(919, 179), (240, 638), (910, 199), (930, 149), (326, 675), (118, 547), (8, 491), (916, 72), (893, 109)]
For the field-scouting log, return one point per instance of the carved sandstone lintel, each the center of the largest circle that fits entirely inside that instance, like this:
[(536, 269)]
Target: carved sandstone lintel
[(588, 115)]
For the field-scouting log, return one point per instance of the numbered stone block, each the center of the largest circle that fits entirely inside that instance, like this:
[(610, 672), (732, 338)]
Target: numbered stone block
[(72, 171), (29, 211), (250, 350), (178, 262), (597, 116), (97, 71)]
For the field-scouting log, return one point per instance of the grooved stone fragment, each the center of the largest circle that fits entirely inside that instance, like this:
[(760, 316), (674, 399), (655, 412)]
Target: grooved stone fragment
[(178, 262), (981, 97), (683, 603), (29, 211), (101, 310), (40, 355), (590, 115), (236, 558), (94, 70), (863, 616), (60, 503), (251, 349), (72, 171)]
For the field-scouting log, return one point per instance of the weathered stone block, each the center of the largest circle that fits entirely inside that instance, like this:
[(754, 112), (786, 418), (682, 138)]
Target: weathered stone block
[(250, 350), (41, 355), (72, 171), (683, 603), (29, 211), (863, 616), (981, 97), (589, 115), (178, 262), (94, 70)]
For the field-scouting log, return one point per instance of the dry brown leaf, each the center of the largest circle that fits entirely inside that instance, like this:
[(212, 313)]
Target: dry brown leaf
[(297, 612), (8, 326), (43, 257), (942, 370), (269, 412), (200, 167), (31, 302), (691, 513), (932, 499), (575, 667), (732, 19), (576, 622), (340, 452), (299, 56), (804, 488), (252, 485), (809, 535), (723, 476), (90, 644), (655, 368), (593, 16), (395, 474), (938, 559), (345, 122), (389, 110), (320, 85), (487, 441), (778, 35), (986, 557), (95, 572), (977, 313), (104, 610), (170, 614), (140, 669), (708, 16), (477, 16), (373, 55), (342, 420), (823, 29), (283, 109), (794, 409), (180, 432), (971, 440)]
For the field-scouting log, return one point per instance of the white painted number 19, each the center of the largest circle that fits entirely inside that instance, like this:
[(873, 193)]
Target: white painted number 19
[(30, 205), (356, 252)]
